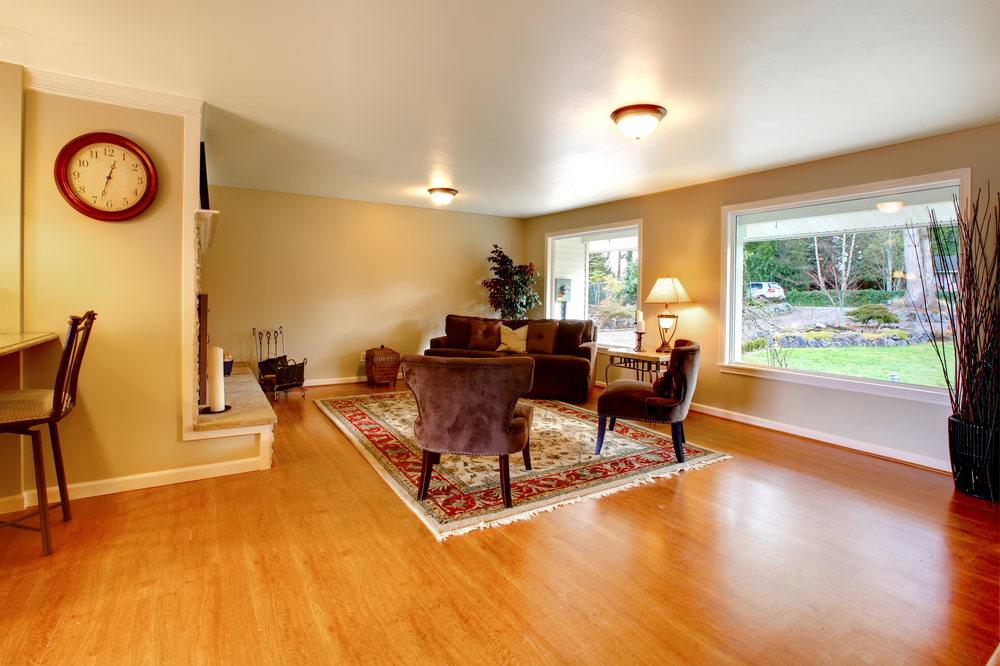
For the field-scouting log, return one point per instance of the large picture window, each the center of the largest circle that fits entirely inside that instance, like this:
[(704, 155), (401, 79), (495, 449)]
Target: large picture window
[(594, 274), (842, 288)]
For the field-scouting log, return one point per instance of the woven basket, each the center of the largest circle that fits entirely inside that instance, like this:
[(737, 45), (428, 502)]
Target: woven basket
[(381, 366)]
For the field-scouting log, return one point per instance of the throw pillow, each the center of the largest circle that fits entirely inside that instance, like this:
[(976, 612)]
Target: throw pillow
[(570, 336), (669, 386), (456, 327), (542, 337), (484, 334), (513, 340)]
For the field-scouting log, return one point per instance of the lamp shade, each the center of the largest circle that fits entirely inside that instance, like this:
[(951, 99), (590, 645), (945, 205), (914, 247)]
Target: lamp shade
[(668, 290)]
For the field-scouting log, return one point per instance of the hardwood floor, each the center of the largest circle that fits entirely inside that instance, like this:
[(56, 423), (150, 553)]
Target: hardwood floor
[(791, 552)]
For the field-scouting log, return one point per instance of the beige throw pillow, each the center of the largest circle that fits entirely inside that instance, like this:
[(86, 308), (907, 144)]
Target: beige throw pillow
[(513, 341)]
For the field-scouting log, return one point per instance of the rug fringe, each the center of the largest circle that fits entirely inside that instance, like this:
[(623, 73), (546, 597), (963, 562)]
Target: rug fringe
[(507, 520)]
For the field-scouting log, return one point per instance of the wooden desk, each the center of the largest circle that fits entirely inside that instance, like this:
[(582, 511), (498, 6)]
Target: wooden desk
[(15, 342), (642, 362)]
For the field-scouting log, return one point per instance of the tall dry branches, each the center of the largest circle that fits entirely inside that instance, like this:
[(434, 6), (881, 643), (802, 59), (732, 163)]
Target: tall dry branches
[(974, 314)]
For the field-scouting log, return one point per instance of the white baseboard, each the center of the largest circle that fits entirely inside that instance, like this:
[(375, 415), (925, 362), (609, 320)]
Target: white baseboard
[(11, 504), (827, 438), (330, 381), (340, 380), (140, 481)]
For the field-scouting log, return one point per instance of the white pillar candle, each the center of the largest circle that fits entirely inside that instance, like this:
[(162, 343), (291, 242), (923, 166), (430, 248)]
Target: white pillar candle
[(216, 380), (638, 317), (640, 326)]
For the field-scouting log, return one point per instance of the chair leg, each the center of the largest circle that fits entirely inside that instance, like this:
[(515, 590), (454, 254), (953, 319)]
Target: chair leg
[(42, 491), (677, 434), (60, 472), (612, 424), (602, 422), (505, 481), (526, 454), (426, 468)]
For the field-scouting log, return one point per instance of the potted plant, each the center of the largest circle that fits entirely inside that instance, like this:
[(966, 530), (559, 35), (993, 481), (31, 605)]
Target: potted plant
[(512, 291), (973, 312)]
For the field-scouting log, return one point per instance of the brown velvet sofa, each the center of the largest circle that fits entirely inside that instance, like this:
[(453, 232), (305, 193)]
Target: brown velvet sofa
[(564, 368)]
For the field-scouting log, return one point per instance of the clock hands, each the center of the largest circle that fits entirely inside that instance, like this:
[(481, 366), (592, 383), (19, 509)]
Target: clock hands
[(108, 181)]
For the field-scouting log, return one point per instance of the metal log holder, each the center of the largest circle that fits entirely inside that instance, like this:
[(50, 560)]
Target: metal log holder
[(277, 373)]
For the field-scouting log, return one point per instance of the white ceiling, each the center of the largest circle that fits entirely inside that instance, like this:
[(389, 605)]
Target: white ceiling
[(509, 102)]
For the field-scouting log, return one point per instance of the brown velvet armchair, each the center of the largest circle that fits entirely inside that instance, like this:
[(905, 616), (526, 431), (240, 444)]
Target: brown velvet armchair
[(469, 406), (638, 401)]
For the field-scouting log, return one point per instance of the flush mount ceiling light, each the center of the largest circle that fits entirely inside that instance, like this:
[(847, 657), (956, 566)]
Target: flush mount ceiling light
[(638, 120), (889, 207), (442, 196)]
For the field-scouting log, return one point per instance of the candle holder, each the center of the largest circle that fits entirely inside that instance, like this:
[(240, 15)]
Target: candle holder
[(638, 342)]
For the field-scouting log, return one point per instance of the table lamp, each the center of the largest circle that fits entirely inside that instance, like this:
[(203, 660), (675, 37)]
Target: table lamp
[(667, 290)]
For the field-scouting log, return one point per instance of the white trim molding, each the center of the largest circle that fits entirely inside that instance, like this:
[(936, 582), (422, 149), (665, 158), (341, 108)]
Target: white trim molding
[(732, 274), (11, 504), (826, 438), (885, 389), (110, 93), (141, 481), (333, 381)]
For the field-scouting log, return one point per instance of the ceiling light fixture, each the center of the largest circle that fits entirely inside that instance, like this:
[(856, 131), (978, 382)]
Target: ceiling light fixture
[(638, 120), (442, 196), (889, 207)]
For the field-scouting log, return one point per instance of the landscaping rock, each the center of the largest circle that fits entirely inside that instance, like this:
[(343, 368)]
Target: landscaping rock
[(799, 342), (824, 343), (812, 343), (882, 342)]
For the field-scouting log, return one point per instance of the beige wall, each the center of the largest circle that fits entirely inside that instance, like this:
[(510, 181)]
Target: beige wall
[(682, 237), (10, 257), (343, 276), (128, 418)]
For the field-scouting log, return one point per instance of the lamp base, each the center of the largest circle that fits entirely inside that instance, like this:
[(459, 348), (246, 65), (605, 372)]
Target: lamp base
[(665, 348)]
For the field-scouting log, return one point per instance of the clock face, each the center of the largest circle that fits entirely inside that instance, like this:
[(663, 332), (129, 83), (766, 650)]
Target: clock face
[(106, 176)]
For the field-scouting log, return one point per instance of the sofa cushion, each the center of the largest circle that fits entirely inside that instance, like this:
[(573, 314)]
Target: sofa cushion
[(513, 341), (484, 334), (542, 337), (570, 336), (456, 328), (463, 353), (564, 366)]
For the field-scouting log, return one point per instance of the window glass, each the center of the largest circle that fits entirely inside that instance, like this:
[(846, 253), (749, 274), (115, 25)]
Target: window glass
[(844, 288), (595, 276)]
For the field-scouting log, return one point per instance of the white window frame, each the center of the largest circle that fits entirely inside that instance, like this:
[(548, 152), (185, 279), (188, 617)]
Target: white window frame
[(553, 236), (732, 274)]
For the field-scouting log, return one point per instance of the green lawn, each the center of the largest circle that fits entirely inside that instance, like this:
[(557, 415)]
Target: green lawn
[(916, 364)]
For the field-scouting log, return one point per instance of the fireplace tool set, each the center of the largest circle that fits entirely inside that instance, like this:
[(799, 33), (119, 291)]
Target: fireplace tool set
[(277, 373)]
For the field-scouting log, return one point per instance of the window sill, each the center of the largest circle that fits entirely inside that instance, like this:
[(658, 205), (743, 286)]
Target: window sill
[(886, 389)]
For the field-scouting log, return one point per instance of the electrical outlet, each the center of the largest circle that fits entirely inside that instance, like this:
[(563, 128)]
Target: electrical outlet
[(362, 357)]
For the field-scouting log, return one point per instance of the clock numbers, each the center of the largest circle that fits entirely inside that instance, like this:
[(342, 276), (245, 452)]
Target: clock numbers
[(83, 163)]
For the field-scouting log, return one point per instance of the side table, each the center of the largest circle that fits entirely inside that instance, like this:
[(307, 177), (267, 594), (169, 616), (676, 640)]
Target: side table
[(642, 362)]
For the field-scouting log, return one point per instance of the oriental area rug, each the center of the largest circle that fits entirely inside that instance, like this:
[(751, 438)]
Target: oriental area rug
[(465, 490)]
